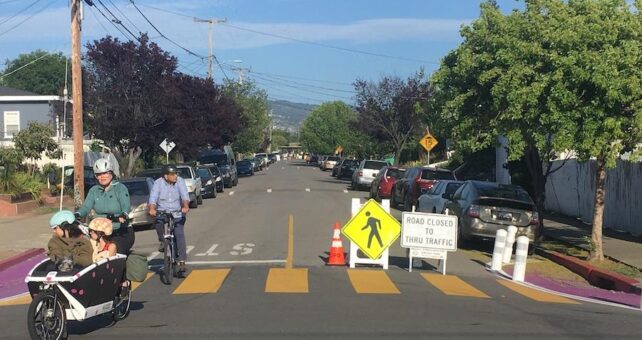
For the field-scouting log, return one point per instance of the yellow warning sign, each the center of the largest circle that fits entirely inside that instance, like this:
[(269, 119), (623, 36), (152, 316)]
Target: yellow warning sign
[(338, 150), (428, 141), (372, 229)]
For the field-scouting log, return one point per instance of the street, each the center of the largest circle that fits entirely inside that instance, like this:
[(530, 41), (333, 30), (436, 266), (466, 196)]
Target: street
[(237, 287)]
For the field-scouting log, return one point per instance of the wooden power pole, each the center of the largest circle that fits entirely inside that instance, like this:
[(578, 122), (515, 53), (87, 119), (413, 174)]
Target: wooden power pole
[(210, 22), (76, 81)]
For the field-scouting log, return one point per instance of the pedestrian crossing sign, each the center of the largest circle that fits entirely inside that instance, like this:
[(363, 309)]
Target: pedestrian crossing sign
[(372, 229)]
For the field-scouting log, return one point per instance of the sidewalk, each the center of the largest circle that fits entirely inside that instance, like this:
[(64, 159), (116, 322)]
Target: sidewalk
[(620, 247)]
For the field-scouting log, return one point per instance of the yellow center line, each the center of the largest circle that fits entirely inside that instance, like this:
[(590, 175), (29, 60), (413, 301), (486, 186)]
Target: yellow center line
[(290, 259)]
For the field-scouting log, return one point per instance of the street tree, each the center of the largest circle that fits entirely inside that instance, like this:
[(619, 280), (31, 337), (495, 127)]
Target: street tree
[(253, 104), (36, 140), (389, 111), (10, 158), (129, 92), (557, 76), (327, 127), (45, 73)]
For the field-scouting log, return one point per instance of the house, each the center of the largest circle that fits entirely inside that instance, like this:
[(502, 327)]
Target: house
[(18, 107)]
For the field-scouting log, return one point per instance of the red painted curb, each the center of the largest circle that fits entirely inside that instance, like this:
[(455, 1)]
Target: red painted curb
[(595, 276), (6, 263)]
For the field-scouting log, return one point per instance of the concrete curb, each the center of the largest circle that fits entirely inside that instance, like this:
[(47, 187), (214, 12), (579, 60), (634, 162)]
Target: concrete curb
[(595, 276), (6, 263)]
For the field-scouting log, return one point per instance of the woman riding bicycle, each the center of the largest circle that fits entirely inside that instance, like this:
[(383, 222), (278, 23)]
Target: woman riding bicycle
[(169, 194), (110, 198)]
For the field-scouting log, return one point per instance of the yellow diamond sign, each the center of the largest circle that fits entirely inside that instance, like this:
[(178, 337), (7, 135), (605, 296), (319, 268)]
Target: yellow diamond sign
[(428, 141), (372, 229)]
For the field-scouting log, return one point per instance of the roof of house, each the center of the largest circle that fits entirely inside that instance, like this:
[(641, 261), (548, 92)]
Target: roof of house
[(10, 91)]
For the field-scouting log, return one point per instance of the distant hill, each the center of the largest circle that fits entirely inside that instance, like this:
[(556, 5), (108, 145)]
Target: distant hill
[(288, 115)]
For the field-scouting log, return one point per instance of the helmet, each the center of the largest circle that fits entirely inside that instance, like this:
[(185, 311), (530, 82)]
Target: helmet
[(101, 166), (61, 217), (169, 168), (101, 224)]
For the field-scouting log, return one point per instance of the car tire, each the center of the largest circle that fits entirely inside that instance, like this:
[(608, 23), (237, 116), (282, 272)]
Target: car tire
[(393, 201), (407, 206), (193, 204), (199, 199), (214, 193)]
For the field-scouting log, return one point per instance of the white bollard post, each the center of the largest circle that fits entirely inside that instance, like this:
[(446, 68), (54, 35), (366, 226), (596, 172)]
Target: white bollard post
[(510, 240), (521, 254), (498, 251)]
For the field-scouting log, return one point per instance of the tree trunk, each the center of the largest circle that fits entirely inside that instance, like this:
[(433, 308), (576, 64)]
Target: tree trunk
[(534, 164), (397, 155), (596, 253), (127, 161)]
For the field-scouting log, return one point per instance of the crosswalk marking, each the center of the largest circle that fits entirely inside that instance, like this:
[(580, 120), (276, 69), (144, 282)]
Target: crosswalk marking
[(535, 294), (453, 285), (137, 284), (201, 281), (284, 280), (371, 282), (23, 299)]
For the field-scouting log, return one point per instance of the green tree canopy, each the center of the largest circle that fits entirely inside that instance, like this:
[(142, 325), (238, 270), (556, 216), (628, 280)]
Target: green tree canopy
[(560, 75), (254, 108), (328, 126), (35, 140), (45, 75)]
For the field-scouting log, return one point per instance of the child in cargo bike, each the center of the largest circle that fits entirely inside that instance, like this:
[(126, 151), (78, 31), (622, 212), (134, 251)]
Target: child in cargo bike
[(68, 245), (100, 230)]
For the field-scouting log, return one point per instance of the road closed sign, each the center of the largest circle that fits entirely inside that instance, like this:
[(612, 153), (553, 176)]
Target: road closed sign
[(430, 231)]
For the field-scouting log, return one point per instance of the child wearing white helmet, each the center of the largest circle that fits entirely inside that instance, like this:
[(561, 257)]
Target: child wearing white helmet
[(100, 230)]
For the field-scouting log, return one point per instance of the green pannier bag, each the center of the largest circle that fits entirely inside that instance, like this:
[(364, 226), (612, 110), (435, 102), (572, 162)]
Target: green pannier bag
[(137, 267)]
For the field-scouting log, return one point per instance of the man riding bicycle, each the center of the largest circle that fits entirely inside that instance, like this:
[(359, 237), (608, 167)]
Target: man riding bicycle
[(169, 194)]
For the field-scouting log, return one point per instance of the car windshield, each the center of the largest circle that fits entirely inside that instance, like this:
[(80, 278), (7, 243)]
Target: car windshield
[(185, 173), (452, 187), (512, 192), (333, 158), (153, 173), (374, 165), (395, 173), (137, 188), (432, 174), (204, 174), (217, 158), (244, 163), (214, 171), (350, 162)]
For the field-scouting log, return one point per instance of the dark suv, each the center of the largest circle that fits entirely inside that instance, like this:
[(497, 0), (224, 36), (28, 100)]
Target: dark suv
[(416, 181)]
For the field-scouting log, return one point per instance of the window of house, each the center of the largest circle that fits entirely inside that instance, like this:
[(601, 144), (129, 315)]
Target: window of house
[(11, 123)]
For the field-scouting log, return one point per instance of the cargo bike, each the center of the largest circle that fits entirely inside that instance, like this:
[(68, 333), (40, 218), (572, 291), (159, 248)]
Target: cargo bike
[(78, 294)]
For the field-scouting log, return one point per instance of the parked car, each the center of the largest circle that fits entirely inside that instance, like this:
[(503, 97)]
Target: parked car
[(194, 184), (482, 208), (88, 175), (257, 165), (263, 158), (216, 173), (407, 190), (139, 189), (226, 162), (335, 168), (313, 159), (154, 173), (366, 172), (381, 186), (245, 168), (208, 180), (434, 200), (322, 161), (346, 168), (330, 162)]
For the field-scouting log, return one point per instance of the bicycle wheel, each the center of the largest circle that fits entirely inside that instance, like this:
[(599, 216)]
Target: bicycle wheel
[(122, 305), (46, 317), (168, 263)]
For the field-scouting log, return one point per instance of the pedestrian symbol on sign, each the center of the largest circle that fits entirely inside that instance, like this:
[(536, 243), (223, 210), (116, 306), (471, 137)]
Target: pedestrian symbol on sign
[(374, 225)]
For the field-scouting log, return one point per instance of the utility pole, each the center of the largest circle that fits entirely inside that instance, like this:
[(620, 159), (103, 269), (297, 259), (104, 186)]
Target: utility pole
[(240, 70), (76, 83), (210, 23)]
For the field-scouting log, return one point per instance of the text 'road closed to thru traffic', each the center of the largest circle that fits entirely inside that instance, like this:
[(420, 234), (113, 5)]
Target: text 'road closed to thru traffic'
[(433, 231)]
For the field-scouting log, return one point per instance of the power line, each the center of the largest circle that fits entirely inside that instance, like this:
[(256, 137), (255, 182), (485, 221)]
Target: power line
[(312, 86), (25, 65), (331, 46), (27, 18), (302, 78), (116, 20), (112, 23), (98, 20), (19, 12), (7, 1), (125, 16), (302, 89)]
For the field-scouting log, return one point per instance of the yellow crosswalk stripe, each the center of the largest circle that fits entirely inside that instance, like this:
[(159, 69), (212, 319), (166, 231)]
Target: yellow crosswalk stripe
[(23, 299), (371, 282), (535, 294), (453, 285), (137, 284), (202, 281), (284, 280)]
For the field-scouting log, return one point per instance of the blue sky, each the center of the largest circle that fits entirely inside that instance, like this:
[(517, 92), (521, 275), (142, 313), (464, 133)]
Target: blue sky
[(406, 35)]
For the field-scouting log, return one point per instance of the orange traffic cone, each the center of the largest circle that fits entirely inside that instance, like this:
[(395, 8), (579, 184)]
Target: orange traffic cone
[(337, 258)]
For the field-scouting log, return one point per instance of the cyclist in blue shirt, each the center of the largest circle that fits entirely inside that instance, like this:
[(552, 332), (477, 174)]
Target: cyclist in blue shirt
[(169, 194)]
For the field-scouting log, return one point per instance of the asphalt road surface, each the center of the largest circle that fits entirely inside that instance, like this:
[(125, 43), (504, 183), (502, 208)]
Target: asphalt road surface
[(257, 270)]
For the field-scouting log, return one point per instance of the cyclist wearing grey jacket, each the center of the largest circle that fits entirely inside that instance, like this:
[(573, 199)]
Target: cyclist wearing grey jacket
[(169, 194)]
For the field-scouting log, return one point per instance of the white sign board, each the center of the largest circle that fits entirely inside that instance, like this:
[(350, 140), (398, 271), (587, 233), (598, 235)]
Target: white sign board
[(432, 231), (167, 147), (428, 253)]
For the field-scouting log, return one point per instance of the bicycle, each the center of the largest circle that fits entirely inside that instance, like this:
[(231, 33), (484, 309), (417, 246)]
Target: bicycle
[(169, 243)]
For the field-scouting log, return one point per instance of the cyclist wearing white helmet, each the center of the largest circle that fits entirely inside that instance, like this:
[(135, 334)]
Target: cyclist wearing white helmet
[(110, 198)]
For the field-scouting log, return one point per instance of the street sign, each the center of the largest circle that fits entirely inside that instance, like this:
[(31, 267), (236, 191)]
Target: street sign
[(428, 141), (167, 146), (372, 229), (426, 253), (433, 231), (338, 150)]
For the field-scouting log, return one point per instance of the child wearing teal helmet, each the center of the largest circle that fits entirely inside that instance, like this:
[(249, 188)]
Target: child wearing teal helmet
[(68, 241)]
